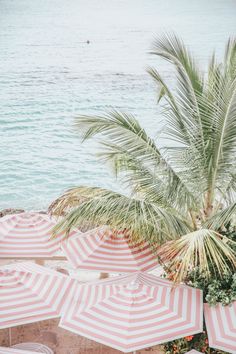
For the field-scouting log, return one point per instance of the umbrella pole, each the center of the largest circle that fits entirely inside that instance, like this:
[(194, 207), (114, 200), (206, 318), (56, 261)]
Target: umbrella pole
[(39, 262), (9, 335), (104, 275)]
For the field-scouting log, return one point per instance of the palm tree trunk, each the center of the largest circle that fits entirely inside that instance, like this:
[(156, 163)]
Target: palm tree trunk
[(208, 208), (194, 221), (10, 337)]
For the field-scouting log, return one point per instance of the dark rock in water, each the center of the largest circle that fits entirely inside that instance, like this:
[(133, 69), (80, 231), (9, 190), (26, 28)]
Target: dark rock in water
[(87, 41), (10, 211)]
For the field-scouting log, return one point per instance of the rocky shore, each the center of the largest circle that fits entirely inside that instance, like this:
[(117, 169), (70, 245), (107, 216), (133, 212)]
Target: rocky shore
[(10, 211)]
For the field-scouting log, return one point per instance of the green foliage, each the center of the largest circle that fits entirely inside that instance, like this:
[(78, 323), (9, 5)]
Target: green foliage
[(198, 342), (215, 289)]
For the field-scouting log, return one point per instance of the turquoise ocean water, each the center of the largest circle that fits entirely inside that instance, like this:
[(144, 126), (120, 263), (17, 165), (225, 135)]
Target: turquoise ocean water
[(49, 74)]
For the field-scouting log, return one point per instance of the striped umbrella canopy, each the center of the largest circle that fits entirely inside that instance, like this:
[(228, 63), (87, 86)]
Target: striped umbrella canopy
[(221, 326), (30, 293), (134, 311), (28, 235), (104, 250), (5, 350)]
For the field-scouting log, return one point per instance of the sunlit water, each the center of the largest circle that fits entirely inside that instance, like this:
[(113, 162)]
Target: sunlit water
[(49, 74)]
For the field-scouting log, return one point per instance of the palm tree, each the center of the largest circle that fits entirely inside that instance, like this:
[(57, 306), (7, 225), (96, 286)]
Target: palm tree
[(182, 195)]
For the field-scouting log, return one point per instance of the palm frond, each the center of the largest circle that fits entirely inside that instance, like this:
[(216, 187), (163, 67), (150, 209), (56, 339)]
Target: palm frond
[(205, 249), (185, 123), (122, 131), (189, 79), (163, 189), (135, 175), (179, 131), (228, 191), (70, 200), (171, 48), (230, 58), (144, 220), (222, 218), (222, 139), (202, 119), (163, 87)]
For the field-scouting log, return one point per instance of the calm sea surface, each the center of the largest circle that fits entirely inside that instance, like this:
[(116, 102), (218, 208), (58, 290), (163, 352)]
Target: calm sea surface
[(49, 74)]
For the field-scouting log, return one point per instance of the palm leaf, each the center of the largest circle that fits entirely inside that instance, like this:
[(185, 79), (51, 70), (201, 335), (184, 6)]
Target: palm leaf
[(70, 200), (189, 78), (205, 249), (200, 115), (183, 111), (165, 190), (144, 220), (122, 131), (222, 218)]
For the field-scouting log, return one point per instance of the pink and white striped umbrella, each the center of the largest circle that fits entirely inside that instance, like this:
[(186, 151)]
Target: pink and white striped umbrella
[(133, 312), (5, 350), (30, 293), (28, 235), (221, 326), (103, 250)]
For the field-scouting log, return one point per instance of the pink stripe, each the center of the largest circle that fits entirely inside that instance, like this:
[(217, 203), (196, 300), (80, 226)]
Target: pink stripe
[(28, 235), (121, 345), (112, 311), (221, 326), (26, 296), (90, 251)]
